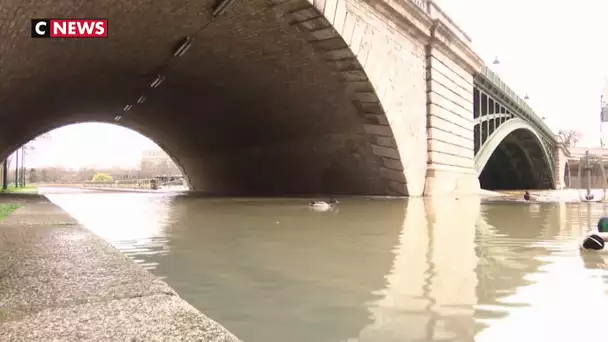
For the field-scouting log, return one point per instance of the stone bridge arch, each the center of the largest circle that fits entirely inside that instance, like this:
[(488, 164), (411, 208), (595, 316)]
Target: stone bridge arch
[(380, 69), (273, 97), (515, 157)]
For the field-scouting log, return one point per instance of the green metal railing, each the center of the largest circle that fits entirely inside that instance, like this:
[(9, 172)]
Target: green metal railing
[(521, 108)]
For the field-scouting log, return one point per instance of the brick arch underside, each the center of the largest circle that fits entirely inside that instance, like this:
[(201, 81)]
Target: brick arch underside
[(253, 108), (518, 162)]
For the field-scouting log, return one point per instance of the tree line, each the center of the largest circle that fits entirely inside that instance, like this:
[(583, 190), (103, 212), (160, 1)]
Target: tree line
[(64, 175)]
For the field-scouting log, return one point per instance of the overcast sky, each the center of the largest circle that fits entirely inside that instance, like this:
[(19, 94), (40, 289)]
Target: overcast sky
[(554, 51), (90, 145)]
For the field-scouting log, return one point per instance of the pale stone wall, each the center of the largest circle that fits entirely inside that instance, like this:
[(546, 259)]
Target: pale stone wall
[(451, 157), (422, 73), (393, 62), (451, 66), (561, 159)]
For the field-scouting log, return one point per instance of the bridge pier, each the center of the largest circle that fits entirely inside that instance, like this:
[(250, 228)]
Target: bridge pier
[(561, 164), (451, 65)]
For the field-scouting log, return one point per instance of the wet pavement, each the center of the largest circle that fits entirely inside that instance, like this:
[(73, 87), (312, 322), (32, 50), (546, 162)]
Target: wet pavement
[(59, 281)]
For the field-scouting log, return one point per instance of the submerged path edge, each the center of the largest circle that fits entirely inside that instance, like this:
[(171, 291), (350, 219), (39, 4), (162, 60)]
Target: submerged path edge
[(60, 281)]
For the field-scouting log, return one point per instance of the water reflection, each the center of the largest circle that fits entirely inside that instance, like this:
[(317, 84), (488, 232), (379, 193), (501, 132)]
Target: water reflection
[(133, 222), (550, 291), (293, 274), (376, 270), (430, 294)]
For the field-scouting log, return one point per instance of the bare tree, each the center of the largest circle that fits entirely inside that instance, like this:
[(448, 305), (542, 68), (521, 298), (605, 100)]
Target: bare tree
[(569, 137)]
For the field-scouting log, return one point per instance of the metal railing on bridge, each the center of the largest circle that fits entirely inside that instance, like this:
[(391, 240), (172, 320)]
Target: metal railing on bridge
[(143, 184), (489, 79)]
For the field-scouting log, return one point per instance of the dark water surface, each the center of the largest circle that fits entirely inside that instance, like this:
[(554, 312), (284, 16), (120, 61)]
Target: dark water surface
[(373, 270)]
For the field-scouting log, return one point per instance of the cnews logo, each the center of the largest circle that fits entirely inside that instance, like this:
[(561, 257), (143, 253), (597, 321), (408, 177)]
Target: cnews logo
[(69, 28)]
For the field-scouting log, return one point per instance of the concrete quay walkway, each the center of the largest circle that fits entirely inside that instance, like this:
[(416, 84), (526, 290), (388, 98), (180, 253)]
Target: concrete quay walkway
[(59, 281)]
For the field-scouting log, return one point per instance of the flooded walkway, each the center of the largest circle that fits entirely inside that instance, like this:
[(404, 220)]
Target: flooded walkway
[(371, 270), (60, 282)]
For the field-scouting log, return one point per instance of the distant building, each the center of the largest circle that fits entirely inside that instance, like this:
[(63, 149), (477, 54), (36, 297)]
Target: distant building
[(157, 163)]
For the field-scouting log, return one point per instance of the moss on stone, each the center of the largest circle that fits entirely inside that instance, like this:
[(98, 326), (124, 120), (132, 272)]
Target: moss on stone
[(7, 209)]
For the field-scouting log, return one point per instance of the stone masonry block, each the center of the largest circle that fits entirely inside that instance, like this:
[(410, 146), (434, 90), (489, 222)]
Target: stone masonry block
[(393, 175), (314, 24), (323, 34), (386, 152), (378, 130), (393, 164), (376, 119), (386, 142)]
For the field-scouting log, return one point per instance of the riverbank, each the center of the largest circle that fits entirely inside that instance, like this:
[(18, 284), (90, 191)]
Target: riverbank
[(59, 281), (82, 187), (107, 189), (29, 189)]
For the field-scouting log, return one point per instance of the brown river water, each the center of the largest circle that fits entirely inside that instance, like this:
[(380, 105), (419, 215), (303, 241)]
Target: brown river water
[(371, 270)]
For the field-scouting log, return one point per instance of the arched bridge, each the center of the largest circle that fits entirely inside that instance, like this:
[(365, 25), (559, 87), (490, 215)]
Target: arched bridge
[(514, 148), (276, 97)]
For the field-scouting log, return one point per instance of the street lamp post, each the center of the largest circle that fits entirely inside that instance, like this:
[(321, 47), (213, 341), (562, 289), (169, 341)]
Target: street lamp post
[(603, 115), (497, 62), (23, 166), (603, 172), (588, 172), (5, 174), (17, 168), (587, 161)]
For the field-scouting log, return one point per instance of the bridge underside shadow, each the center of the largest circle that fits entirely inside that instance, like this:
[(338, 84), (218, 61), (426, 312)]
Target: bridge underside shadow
[(518, 162), (250, 109)]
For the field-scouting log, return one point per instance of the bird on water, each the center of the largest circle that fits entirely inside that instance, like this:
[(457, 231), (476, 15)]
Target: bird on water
[(530, 197), (321, 205)]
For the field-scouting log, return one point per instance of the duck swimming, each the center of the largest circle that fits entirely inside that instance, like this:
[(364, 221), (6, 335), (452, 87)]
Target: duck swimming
[(321, 205), (530, 197)]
